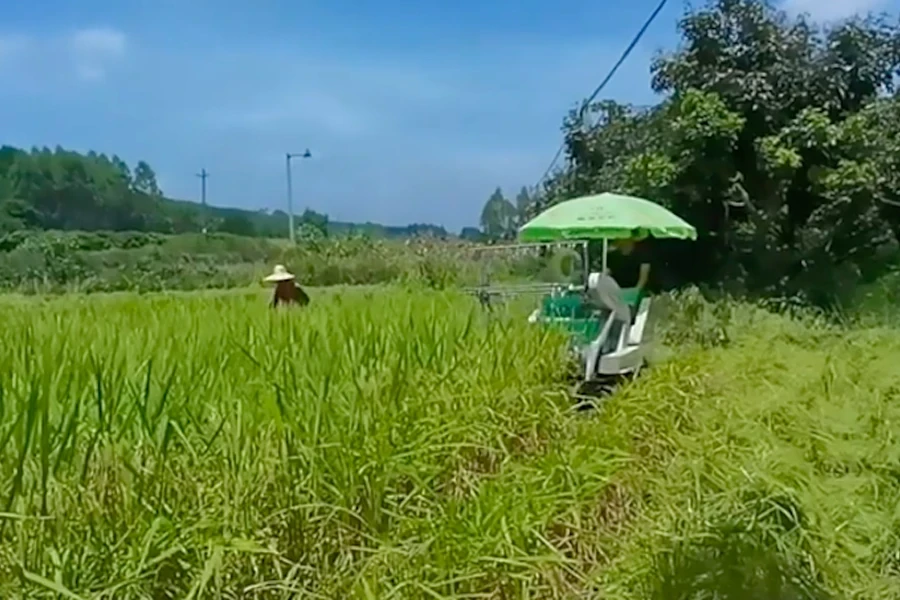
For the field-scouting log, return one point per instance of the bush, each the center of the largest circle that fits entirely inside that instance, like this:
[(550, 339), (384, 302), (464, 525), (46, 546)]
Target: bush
[(54, 262)]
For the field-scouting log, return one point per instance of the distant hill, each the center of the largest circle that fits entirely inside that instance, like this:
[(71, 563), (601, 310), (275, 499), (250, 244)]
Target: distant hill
[(61, 189), (275, 223)]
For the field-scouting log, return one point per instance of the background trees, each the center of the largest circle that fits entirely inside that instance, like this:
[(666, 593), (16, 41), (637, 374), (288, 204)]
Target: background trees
[(498, 218), (777, 139), (65, 190)]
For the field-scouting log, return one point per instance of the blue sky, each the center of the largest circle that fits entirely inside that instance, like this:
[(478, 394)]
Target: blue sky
[(414, 111)]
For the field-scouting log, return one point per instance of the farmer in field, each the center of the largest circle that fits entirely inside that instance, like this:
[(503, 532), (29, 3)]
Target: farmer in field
[(287, 291)]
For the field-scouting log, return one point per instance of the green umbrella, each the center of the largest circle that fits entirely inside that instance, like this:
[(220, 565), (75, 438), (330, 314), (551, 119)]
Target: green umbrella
[(605, 216)]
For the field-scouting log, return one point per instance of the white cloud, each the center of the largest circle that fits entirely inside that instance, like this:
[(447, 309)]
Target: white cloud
[(95, 50), (833, 10), (31, 62)]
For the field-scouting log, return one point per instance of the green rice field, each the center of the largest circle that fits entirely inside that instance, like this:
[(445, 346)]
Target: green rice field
[(401, 443)]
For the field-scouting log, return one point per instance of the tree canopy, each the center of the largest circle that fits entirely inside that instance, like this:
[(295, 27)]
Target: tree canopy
[(776, 138)]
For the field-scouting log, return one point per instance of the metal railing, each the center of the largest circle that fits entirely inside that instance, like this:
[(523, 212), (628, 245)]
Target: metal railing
[(514, 289)]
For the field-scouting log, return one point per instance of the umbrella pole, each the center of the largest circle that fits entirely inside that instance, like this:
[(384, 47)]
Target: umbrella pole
[(586, 261), (605, 249)]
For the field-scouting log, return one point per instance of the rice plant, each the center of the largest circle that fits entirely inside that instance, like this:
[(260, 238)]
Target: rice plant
[(401, 443)]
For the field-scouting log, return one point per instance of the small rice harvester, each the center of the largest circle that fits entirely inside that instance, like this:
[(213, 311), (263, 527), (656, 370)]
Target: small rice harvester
[(607, 325)]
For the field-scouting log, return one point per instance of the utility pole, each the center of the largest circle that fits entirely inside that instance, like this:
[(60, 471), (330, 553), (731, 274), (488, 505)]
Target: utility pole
[(203, 216), (203, 175), (290, 192)]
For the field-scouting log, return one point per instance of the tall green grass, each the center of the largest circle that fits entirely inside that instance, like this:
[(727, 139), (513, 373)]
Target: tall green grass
[(200, 442), (398, 443)]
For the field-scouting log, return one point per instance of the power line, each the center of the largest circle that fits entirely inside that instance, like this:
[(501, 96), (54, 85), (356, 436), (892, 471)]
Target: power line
[(599, 88)]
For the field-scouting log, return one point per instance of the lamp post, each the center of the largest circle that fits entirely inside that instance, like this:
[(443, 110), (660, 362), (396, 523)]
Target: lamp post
[(290, 192)]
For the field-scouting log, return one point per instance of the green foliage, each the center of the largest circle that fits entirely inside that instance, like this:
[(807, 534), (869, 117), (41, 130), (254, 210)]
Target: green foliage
[(83, 241), (56, 262), (309, 233), (523, 204), (314, 220), (498, 217), (778, 140), (471, 234)]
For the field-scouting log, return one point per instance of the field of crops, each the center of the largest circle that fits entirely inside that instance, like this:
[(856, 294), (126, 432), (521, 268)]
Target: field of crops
[(398, 443)]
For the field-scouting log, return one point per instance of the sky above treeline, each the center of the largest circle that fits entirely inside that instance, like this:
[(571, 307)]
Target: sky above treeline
[(413, 112)]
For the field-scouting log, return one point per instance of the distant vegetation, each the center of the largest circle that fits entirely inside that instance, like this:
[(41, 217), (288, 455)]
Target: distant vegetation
[(103, 261), (65, 190)]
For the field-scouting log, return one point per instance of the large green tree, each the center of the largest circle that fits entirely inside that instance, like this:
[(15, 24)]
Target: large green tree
[(523, 205), (777, 139), (498, 217)]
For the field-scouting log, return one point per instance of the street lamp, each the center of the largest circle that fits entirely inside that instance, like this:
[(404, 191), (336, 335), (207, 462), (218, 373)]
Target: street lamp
[(290, 192)]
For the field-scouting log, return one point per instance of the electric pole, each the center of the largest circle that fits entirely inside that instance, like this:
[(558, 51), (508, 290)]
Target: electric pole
[(203, 216), (203, 175), (290, 191)]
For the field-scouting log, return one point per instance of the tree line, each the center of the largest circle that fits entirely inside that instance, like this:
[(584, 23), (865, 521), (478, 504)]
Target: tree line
[(500, 218), (777, 138), (59, 189)]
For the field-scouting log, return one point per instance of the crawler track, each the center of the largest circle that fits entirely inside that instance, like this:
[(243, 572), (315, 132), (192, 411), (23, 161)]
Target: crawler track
[(591, 394)]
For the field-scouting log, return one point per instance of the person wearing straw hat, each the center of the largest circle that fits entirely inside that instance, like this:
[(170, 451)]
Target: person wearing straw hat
[(286, 289)]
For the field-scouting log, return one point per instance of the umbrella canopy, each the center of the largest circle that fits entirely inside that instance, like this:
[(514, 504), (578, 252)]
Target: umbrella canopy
[(605, 216)]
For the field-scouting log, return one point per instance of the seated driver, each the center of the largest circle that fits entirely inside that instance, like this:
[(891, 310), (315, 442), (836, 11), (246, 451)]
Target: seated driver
[(604, 294), (629, 262)]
